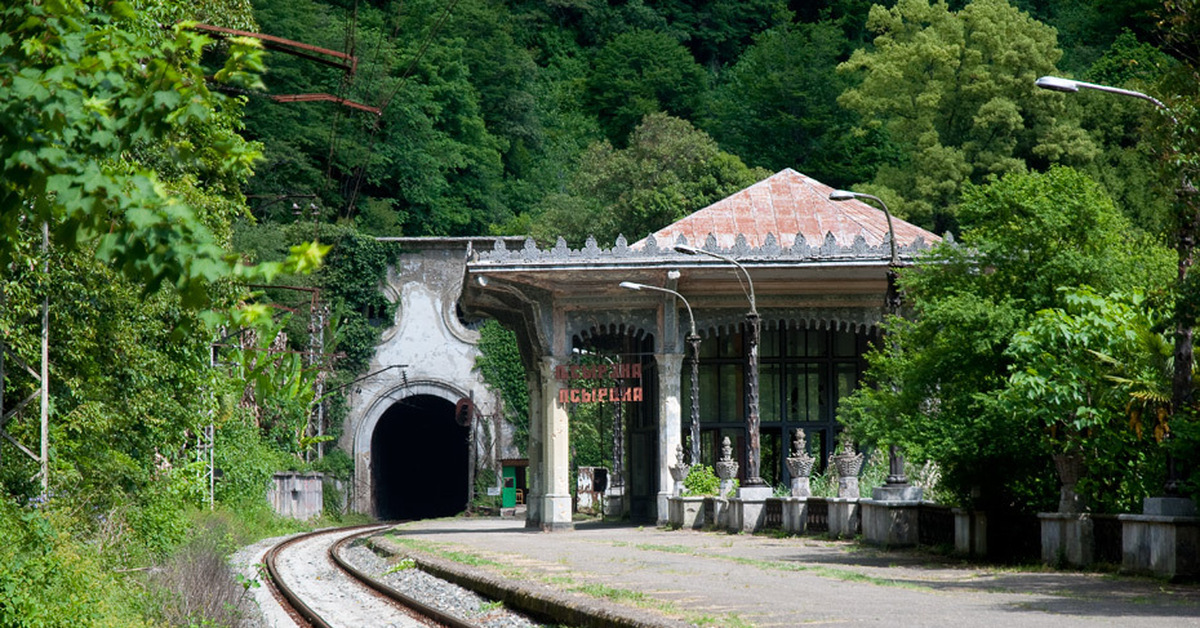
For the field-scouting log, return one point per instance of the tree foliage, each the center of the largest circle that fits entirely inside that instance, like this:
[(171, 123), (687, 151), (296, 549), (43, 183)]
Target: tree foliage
[(937, 377), (952, 89), (668, 171)]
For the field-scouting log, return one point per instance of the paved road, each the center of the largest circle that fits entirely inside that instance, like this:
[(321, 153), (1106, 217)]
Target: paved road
[(732, 580)]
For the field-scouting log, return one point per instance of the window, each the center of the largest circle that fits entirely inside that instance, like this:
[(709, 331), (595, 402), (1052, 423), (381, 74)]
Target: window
[(803, 375)]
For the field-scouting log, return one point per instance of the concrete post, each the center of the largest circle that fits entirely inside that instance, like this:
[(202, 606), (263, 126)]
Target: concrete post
[(670, 413), (556, 462), (533, 501)]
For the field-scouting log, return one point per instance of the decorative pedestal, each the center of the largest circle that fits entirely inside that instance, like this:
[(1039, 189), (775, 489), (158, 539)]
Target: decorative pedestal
[(686, 512), (614, 502), (891, 523), (844, 517), (795, 514), (749, 508), (556, 510), (1165, 541), (970, 532), (716, 513), (1067, 539)]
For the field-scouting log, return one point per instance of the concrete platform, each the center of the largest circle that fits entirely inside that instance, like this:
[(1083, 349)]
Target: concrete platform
[(719, 579)]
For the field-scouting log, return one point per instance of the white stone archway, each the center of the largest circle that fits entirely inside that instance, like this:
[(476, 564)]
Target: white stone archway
[(364, 488)]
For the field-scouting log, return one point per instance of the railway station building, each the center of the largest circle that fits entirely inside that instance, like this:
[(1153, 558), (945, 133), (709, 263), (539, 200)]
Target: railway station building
[(817, 271)]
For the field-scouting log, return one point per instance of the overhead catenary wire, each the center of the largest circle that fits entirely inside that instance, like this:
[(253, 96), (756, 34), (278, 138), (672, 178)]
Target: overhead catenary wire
[(360, 172)]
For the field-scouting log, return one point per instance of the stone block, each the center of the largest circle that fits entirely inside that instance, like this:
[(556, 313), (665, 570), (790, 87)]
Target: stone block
[(1067, 539), (902, 493), (687, 512), (890, 523), (844, 517), (970, 532), (795, 514), (1162, 546)]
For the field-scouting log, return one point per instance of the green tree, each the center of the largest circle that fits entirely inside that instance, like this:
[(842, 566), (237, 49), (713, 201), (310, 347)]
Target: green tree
[(641, 73), (936, 380), (777, 107), (1089, 378), (81, 95), (953, 91), (669, 170), (717, 31)]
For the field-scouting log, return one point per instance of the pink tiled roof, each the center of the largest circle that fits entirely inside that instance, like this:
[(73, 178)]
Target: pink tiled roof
[(785, 204)]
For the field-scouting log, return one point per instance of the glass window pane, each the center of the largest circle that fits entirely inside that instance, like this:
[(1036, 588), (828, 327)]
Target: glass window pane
[(847, 380), (769, 376), (796, 343), (731, 345), (708, 347), (731, 400), (770, 456), (708, 393), (768, 346), (844, 344), (803, 393), (817, 341), (708, 447)]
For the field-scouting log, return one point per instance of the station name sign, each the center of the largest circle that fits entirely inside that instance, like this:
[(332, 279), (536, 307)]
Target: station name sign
[(599, 394)]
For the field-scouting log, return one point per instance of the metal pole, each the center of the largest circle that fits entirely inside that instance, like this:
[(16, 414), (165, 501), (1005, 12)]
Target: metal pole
[(754, 457), (1181, 380), (694, 341), (891, 304), (754, 324), (45, 467)]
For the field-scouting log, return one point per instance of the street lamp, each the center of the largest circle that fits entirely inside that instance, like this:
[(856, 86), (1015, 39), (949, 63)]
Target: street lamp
[(1181, 383), (693, 340), (896, 477), (753, 446)]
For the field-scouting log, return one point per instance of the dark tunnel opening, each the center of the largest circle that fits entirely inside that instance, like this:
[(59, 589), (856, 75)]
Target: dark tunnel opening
[(419, 459)]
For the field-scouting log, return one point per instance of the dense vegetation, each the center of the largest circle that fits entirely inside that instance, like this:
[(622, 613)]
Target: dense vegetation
[(170, 183)]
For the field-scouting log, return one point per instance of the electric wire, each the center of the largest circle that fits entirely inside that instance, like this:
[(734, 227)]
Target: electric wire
[(361, 170)]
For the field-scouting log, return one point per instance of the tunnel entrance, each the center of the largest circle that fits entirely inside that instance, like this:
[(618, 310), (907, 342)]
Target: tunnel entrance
[(419, 460)]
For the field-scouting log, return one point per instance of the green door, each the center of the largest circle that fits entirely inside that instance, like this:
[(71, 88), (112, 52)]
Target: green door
[(508, 493)]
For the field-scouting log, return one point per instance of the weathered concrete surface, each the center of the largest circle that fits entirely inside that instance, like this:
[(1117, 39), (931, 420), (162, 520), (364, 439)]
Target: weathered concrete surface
[(768, 581)]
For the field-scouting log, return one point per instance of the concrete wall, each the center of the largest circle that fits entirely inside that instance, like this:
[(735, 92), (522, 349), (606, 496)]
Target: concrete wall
[(297, 495), (439, 352)]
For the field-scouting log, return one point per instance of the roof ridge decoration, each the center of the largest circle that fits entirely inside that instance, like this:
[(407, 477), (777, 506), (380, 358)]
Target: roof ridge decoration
[(801, 250)]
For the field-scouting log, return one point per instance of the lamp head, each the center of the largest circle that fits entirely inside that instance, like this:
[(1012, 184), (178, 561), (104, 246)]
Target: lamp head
[(842, 195), (631, 285), (685, 249), (1057, 84)]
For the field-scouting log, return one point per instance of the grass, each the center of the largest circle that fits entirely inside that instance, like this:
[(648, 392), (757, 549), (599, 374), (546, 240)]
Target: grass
[(569, 584), (403, 565)]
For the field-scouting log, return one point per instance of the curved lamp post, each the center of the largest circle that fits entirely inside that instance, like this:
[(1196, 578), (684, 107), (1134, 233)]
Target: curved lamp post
[(1181, 382), (896, 477), (753, 446), (693, 340)]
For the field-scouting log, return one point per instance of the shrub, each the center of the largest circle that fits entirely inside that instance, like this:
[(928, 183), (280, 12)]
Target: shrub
[(701, 480)]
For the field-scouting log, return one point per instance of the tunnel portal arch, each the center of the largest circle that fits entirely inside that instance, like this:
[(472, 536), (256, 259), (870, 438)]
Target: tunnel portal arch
[(411, 455)]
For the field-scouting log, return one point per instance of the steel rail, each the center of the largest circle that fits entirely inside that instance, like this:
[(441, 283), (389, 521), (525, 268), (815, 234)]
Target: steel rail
[(436, 614), (314, 619)]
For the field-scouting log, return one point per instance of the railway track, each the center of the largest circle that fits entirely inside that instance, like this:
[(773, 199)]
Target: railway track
[(356, 600)]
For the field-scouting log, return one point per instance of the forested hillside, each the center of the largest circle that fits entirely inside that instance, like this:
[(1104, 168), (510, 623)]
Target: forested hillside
[(506, 117), (153, 179)]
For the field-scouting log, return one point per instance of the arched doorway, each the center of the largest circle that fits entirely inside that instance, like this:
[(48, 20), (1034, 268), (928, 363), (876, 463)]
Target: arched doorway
[(626, 431), (420, 460)]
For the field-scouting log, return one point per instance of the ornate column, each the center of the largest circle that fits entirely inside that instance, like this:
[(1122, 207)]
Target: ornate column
[(670, 413), (556, 461)]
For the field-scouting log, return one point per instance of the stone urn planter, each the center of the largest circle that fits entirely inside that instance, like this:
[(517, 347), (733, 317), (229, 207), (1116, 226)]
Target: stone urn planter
[(679, 470), (847, 465), (1070, 467), (800, 465), (726, 467)]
